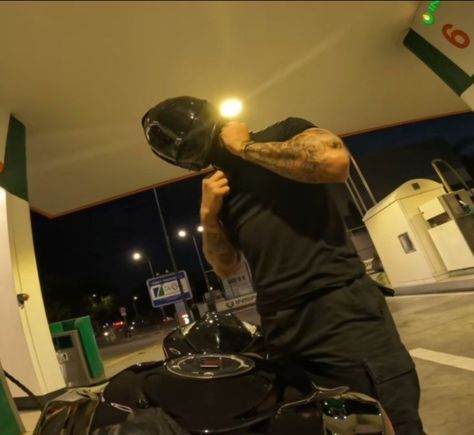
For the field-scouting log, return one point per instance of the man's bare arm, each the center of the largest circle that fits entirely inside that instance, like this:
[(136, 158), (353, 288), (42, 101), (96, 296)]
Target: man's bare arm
[(313, 156), (219, 252)]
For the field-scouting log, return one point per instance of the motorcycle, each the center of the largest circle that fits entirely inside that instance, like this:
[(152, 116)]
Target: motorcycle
[(215, 379)]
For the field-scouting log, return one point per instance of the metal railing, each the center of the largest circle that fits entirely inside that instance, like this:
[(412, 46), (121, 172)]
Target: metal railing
[(435, 164), (355, 192)]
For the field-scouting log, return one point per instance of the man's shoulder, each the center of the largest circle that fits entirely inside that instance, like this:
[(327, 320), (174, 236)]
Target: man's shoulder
[(283, 130)]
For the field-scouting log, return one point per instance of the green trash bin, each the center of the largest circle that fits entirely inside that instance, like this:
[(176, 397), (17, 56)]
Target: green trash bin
[(77, 351)]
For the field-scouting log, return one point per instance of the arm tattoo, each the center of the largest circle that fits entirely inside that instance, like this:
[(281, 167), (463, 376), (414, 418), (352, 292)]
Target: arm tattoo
[(304, 157), (220, 253)]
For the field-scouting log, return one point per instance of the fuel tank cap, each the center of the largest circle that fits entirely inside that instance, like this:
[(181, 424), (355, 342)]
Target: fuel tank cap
[(210, 365)]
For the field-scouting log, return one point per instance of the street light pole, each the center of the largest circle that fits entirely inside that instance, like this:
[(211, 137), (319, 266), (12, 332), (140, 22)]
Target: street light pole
[(170, 252), (151, 267), (135, 307), (206, 279), (137, 256)]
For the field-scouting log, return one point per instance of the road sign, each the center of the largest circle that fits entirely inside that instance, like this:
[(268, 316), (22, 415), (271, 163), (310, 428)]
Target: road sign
[(123, 311), (164, 290)]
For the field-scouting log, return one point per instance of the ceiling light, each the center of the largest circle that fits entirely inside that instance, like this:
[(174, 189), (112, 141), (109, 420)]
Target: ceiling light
[(230, 108)]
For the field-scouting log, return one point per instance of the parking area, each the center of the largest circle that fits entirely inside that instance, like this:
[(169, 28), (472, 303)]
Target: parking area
[(438, 330)]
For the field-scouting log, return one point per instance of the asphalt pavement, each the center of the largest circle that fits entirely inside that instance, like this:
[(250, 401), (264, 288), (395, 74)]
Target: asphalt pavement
[(437, 329)]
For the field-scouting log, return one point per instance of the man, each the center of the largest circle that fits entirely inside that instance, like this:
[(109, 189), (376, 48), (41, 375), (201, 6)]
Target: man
[(269, 201)]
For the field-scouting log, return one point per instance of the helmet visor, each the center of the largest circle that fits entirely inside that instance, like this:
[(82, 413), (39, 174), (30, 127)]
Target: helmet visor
[(163, 141), (182, 132)]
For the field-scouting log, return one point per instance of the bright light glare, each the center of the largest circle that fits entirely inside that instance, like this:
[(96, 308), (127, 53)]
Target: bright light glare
[(182, 233), (135, 298), (200, 228), (230, 108), (427, 18), (136, 256)]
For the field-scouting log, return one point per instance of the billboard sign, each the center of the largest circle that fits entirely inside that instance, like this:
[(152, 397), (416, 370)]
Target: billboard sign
[(238, 284), (236, 303), (164, 290)]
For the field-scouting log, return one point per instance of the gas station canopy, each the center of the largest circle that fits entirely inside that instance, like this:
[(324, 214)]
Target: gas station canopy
[(80, 75)]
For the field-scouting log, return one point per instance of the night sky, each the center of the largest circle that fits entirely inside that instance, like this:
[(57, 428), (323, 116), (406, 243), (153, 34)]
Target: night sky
[(89, 252)]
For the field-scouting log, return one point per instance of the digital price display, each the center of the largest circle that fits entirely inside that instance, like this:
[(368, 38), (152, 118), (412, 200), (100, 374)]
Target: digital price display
[(441, 36)]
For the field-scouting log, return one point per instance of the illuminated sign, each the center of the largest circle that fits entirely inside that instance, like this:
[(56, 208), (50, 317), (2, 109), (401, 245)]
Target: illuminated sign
[(236, 303), (164, 290), (442, 40), (428, 16)]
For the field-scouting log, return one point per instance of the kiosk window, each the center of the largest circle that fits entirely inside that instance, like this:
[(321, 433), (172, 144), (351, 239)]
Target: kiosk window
[(406, 243)]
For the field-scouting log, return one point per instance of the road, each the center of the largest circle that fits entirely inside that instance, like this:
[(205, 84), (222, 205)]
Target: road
[(142, 347), (438, 330), (138, 348)]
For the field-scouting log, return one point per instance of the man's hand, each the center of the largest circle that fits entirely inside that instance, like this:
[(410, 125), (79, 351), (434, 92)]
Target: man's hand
[(234, 136), (214, 189), (219, 252)]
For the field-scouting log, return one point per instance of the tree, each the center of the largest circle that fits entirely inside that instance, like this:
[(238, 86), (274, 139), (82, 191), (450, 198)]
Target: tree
[(56, 311), (100, 308)]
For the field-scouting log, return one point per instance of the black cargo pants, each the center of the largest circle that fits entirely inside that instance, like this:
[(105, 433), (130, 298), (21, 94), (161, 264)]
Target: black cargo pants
[(346, 336)]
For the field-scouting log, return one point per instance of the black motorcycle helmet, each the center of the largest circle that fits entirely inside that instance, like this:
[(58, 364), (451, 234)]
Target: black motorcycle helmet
[(183, 131)]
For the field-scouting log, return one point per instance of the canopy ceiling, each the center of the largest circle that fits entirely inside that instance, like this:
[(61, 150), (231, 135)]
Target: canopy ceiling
[(80, 75)]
